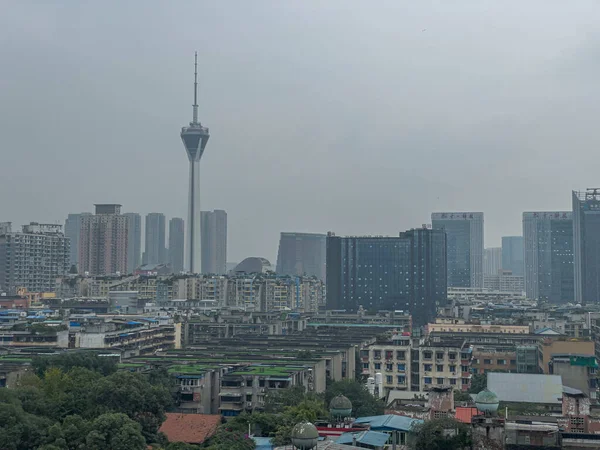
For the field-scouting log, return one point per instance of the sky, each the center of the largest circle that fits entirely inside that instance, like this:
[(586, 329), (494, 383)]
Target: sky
[(348, 116)]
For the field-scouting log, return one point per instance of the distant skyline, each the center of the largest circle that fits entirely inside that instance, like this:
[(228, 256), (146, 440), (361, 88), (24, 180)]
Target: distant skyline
[(339, 116)]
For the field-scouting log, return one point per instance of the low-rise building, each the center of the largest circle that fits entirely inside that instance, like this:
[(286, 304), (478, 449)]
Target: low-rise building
[(494, 359)]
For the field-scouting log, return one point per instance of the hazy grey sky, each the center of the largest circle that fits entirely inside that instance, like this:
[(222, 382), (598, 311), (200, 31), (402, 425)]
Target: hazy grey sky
[(357, 117)]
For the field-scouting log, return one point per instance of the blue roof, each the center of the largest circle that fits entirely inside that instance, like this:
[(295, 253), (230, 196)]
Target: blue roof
[(389, 422), (133, 322), (263, 443), (373, 438)]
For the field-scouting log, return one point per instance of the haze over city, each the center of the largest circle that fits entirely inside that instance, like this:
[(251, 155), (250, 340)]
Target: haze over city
[(345, 116)]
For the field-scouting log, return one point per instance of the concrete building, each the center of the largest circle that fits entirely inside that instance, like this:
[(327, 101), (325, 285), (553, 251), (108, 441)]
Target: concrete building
[(302, 254), (155, 242), (548, 248), (504, 281), (72, 231), (33, 258), (464, 234), (214, 242), (513, 255), (586, 245), (492, 261), (577, 371), (494, 359), (134, 241), (103, 241), (194, 138), (560, 345), (176, 244), (407, 272)]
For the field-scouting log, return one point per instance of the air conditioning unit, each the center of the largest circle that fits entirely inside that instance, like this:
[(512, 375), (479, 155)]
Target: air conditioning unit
[(248, 404)]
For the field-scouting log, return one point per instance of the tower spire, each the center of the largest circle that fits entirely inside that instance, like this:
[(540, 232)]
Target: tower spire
[(195, 113)]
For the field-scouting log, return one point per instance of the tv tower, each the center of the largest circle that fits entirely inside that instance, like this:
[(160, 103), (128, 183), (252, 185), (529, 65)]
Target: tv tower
[(194, 138)]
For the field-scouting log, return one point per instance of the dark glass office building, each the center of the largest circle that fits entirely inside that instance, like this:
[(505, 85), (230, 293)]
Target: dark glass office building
[(548, 250), (302, 254), (513, 254), (586, 245), (464, 234), (407, 272)]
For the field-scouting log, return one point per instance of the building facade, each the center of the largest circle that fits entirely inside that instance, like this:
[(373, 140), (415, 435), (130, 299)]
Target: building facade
[(214, 242), (33, 258), (407, 272), (504, 281), (492, 261), (464, 234), (586, 245), (513, 256), (176, 244), (72, 231), (548, 251), (155, 242), (103, 241), (134, 241), (302, 254)]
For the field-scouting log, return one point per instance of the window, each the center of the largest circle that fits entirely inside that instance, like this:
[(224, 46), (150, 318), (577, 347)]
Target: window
[(427, 367), (465, 381), (451, 356), (400, 355), (376, 354), (401, 379), (389, 354), (452, 369), (427, 355), (464, 368), (389, 367), (427, 380), (440, 381), (440, 414), (501, 362), (389, 379), (452, 380), (365, 365), (513, 362), (377, 366), (439, 367), (439, 355), (487, 361), (401, 367)]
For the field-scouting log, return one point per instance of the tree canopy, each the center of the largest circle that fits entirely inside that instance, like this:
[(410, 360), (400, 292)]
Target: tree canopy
[(441, 434)]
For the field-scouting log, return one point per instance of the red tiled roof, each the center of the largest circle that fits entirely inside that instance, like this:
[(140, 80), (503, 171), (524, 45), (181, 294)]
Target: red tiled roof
[(190, 428), (465, 414)]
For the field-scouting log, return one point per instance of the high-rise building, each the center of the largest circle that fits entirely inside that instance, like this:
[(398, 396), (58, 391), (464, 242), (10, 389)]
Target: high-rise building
[(194, 137), (548, 251), (302, 254), (103, 241), (513, 254), (586, 245), (134, 241), (214, 241), (176, 244), (407, 272), (72, 229), (492, 260), (155, 250), (464, 234), (33, 258)]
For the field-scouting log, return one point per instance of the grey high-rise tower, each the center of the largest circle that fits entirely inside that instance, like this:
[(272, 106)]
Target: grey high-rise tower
[(513, 254), (464, 231), (72, 231), (586, 245), (156, 252), (194, 138), (176, 244), (302, 254), (214, 241), (134, 241)]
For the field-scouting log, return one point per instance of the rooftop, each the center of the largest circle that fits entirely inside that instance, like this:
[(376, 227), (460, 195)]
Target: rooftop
[(526, 388), (190, 428)]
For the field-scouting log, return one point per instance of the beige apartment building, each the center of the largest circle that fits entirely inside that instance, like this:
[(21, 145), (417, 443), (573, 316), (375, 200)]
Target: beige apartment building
[(460, 326)]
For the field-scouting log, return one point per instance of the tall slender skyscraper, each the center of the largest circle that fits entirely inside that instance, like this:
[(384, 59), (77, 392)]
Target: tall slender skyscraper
[(586, 245), (134, 241), (194, 138), (548, 252), (492, 260), (72, 230), (464, 231), (176, 244), (156, 252), (512, 254), (214, 242)]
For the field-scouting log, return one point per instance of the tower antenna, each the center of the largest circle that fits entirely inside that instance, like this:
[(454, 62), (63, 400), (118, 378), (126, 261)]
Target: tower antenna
[(195, 114)]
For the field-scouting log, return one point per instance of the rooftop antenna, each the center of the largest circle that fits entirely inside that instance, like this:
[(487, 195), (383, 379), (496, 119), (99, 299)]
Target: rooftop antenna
[(195, 114)]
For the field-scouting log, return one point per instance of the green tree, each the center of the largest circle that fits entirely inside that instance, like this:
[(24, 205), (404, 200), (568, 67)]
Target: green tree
[(67, 361), (478, 383), (441, 434), (228, 439), (277, 401), (460, 396), (115, 432), (363, 403)]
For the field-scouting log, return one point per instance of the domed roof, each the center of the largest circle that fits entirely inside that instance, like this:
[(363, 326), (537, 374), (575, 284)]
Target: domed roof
[(486, 397), (340, 402), (305, 430)]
